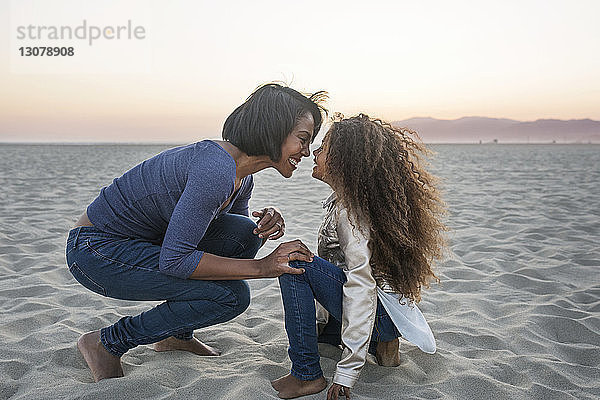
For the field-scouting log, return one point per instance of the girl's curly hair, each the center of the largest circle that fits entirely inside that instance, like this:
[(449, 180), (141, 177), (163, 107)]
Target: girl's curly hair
[(378, 172)]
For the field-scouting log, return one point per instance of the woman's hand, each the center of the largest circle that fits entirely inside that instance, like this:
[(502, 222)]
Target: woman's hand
[(277, 263), (270, 223), (335, 390)]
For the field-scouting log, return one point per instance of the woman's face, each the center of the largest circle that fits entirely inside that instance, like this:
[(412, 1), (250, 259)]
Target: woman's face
[(320, 159), (296, 146)]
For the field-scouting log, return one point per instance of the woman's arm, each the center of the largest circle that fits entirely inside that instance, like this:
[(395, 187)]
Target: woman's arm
[(270, 223), (212, 267), (359, 301), (210, 181)]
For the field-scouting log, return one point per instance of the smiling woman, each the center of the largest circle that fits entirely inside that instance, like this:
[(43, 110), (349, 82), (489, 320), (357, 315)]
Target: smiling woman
[(265, 120), (296, 144), (176, 227), (277, 121)]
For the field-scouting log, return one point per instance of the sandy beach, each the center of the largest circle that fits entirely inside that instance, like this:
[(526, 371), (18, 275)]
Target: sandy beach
[(516, 316)]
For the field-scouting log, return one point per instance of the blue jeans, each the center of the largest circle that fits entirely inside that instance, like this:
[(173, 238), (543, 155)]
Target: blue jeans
[(127, 269), (323, 282)]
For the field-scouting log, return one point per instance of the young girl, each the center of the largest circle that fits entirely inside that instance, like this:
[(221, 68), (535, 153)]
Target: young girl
[(382, 231)]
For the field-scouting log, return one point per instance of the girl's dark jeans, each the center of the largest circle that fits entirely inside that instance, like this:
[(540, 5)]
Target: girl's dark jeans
[(324, 282)]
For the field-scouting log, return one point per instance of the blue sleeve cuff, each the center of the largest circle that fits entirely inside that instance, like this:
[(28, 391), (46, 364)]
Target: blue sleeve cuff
[(185, 267)]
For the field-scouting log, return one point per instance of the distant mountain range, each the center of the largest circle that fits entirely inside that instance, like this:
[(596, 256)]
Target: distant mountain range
[(489, 130)]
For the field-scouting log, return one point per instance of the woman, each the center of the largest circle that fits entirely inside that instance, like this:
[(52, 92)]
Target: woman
[(381, 233), (176, 228)]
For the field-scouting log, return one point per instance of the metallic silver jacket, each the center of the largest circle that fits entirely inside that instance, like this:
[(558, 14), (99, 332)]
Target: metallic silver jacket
[(347, 247)]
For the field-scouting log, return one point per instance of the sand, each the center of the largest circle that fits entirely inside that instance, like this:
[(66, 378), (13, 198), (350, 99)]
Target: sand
[(517, 315)]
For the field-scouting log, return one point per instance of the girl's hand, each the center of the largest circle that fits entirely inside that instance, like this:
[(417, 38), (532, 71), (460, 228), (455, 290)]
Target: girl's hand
[(335, 390), (277, 263), (270, 223)]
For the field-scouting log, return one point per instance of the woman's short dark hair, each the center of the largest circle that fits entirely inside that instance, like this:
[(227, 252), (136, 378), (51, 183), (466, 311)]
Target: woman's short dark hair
[(262, 123)]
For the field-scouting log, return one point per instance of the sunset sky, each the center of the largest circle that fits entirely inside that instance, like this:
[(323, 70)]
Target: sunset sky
[(523, 60)]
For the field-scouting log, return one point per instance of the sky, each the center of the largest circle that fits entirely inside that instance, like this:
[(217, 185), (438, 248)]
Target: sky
[(199, 60)]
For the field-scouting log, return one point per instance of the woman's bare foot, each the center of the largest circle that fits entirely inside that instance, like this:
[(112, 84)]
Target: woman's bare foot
[(387, 353), (103, 364), (279, 383), (290, 387), (194, 346)]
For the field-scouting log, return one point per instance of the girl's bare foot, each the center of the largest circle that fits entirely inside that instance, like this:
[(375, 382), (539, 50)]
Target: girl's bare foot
[(194, 346), (387, 353), (290, 387), (103, 364)]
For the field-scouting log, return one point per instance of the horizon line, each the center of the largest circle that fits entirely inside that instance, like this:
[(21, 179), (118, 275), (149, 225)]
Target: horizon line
[(96, 143), (511, 119)]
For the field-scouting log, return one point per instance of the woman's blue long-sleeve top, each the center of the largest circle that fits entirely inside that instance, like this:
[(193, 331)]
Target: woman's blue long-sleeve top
[(170, 199)]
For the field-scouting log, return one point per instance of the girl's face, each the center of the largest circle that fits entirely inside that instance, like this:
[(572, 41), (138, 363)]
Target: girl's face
[(320, 160), (296, 146)]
